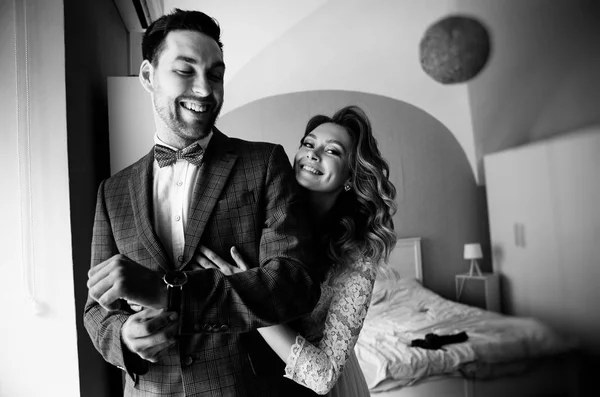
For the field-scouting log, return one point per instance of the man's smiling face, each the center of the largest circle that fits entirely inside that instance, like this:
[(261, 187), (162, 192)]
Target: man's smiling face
[(186, 85)]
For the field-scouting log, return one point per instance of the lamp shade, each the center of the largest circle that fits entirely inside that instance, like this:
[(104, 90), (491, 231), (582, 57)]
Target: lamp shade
[(473, 251)]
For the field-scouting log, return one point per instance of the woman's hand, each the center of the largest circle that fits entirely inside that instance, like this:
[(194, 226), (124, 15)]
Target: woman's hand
[(207, 259)]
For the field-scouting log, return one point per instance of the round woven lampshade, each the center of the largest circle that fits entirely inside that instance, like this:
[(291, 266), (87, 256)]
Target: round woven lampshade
[(454, 49)]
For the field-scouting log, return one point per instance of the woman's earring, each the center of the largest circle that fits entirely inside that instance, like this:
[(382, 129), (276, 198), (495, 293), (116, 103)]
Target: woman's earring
[(347, 188)]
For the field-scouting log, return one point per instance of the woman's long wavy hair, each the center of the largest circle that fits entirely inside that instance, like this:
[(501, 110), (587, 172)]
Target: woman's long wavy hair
[(360, 224)]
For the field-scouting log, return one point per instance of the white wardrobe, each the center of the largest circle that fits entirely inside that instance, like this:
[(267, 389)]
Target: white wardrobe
[(544, 208)]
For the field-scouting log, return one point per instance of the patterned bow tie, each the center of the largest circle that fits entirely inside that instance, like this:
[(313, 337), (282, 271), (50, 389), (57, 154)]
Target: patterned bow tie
[(167, 156)]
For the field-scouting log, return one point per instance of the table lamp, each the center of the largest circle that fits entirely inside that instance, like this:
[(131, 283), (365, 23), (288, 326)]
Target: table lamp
[(473, 252)]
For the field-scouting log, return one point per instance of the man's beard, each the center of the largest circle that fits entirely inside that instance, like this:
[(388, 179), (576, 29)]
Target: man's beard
[(174, 121)]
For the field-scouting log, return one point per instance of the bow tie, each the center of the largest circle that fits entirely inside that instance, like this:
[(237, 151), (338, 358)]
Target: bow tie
[(167, 156)]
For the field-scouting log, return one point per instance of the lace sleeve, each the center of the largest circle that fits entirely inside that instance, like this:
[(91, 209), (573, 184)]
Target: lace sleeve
[(319, 367)]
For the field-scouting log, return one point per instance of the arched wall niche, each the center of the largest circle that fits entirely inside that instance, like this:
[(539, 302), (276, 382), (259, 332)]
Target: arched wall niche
[(438, 198)]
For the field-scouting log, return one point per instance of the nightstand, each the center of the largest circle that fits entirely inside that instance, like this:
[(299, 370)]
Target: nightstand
[(480, 291)]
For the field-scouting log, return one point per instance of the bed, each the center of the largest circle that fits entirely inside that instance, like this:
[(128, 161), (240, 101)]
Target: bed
[(502, 356)]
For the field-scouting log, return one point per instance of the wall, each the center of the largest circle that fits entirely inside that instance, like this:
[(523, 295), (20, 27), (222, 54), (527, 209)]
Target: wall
[(38, 349), (135, 52), (359, 46), (542, 79), (353, 45), (438, 198), (311, 49), (96, 47)]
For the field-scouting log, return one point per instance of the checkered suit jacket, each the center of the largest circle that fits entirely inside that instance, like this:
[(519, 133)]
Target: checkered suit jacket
[(246, 197)]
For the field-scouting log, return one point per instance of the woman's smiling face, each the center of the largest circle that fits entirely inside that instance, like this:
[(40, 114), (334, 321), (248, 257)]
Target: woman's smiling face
[(322, 161)]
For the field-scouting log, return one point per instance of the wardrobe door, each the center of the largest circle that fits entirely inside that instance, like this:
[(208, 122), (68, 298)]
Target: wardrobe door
[(502, 189), (575, 172), (522, 230)]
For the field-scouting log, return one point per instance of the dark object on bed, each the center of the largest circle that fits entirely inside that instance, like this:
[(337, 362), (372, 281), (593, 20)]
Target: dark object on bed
[(434, 342)]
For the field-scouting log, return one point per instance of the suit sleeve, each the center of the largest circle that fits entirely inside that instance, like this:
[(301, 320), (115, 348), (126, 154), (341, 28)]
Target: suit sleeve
[(286, 284), (104, 327)]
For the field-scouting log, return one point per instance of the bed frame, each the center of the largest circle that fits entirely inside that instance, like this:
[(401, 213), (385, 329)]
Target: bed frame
[(556, 377), (406, 258)]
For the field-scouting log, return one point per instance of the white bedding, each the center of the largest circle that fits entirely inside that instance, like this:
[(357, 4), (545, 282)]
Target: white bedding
[(403, 310)]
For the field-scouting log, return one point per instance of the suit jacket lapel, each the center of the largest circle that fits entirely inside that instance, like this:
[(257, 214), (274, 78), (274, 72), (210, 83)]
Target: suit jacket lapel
[(140, 190), (218, 162)]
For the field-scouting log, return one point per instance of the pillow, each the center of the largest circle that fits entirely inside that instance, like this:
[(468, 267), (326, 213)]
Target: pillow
[(389, 280)]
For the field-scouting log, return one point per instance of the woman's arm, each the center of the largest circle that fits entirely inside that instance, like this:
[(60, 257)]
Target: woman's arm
[(280, 338), (319, 367), (316, 367)]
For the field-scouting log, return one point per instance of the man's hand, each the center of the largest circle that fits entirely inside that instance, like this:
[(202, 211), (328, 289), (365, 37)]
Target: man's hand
[(121, 278), (150, 333)]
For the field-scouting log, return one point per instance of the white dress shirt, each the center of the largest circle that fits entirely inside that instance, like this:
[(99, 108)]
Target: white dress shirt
[(171, 196)]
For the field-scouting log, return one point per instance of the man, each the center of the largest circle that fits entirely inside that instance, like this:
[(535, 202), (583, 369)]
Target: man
[(195, 333)]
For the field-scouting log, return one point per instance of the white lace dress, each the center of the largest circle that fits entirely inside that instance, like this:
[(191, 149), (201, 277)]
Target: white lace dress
[(323, 360)]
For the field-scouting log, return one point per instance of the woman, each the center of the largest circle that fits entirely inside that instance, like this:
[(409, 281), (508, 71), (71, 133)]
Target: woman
[(352, 199)]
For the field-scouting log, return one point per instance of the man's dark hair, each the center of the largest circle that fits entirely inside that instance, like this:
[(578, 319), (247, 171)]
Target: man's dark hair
[(154, 37)]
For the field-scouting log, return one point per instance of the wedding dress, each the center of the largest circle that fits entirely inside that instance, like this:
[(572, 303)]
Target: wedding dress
[(323, 358)]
